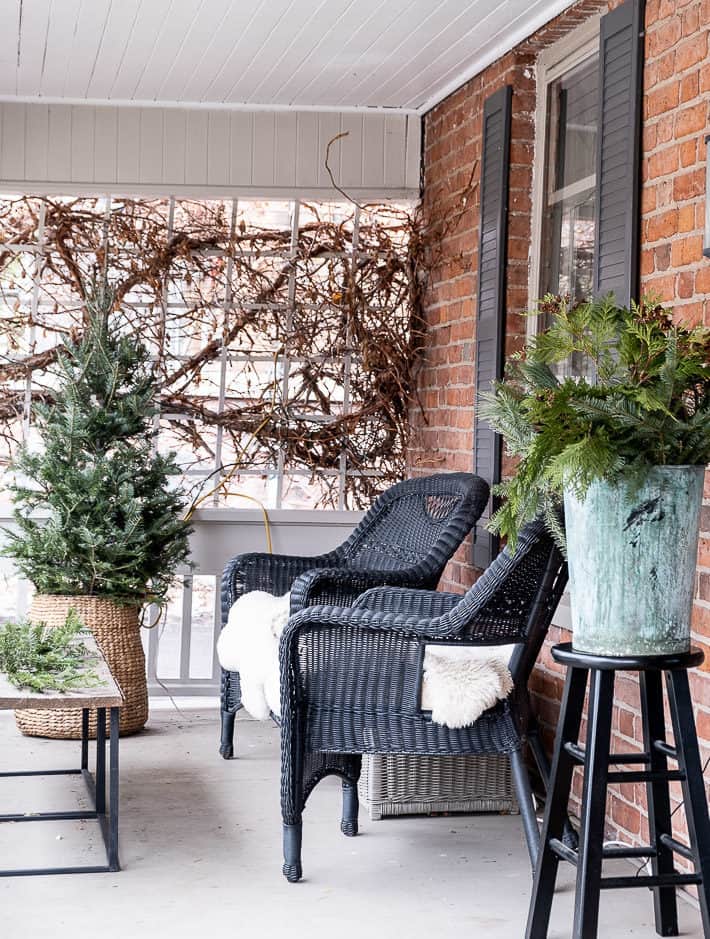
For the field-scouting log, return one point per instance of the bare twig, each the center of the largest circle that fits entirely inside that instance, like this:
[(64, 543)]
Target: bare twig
[(343, 193)]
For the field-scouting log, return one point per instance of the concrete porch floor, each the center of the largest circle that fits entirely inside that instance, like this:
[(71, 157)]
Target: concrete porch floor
[(200, 847)]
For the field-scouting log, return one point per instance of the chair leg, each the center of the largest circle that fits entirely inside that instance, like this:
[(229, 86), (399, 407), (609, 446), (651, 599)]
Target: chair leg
[(292, 766), (523, 792), (351, 805), (538, 751), (292, 837), (226, 747), (570, 838)]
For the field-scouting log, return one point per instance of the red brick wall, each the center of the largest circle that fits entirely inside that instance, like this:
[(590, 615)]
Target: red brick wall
[(676, 117), (443, 431)]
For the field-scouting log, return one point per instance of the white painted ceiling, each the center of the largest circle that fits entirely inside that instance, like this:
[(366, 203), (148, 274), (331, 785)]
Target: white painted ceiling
[(341, 54)]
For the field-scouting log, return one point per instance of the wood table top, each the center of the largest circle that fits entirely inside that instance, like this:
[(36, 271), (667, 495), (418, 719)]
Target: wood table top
[(104, 694)]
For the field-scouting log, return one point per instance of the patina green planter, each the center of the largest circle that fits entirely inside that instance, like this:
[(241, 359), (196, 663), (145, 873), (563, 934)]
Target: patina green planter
[(632, 554)]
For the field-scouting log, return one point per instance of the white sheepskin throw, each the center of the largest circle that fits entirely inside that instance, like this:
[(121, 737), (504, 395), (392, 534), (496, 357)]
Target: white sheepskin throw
[(249, 644), (460, 683)]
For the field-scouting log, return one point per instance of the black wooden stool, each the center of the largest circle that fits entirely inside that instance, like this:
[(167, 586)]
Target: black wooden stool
[(596, 760)]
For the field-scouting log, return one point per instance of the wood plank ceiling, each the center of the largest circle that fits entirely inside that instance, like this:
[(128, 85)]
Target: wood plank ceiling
[(341, 54)]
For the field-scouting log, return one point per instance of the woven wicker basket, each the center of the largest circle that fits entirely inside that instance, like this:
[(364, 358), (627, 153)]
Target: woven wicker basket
[(404, 784), (117, 633)]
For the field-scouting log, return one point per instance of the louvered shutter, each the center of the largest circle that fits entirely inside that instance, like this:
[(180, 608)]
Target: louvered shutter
[(490, 324), (616, 261)]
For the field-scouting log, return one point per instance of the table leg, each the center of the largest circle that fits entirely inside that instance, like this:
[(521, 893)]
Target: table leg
[(113, 792), (85, 739), (101, 761)]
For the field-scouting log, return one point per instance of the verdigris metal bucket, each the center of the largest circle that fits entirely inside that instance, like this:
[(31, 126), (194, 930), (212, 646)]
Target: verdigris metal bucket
[(632, 554)]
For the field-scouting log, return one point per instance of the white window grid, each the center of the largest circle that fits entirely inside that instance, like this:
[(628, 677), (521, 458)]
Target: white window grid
[(277, 473)]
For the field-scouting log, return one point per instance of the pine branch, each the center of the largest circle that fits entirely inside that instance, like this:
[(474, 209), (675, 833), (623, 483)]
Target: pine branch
[(648, 406)]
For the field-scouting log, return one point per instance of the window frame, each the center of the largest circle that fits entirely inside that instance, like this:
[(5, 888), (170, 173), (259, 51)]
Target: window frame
[(561, 57)]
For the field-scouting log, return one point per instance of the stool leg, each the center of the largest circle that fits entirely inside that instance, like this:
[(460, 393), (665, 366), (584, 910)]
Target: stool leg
[(659, 803), (591, 836), (556, 807), (696, 806)]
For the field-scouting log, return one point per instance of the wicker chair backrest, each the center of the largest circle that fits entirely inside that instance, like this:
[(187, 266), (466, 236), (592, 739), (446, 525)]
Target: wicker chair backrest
[(516, 596), (417, 522)]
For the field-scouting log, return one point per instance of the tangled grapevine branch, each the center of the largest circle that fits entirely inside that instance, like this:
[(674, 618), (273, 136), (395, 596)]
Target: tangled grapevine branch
[(317, 330)]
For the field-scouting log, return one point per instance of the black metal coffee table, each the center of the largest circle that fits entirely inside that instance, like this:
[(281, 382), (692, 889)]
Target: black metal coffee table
[(106, 699)]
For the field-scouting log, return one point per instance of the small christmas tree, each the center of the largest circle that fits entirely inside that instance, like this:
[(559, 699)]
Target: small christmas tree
[(108, 522)]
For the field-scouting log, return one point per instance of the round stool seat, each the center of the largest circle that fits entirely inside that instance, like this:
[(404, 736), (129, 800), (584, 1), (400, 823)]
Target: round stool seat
[(566, 655)]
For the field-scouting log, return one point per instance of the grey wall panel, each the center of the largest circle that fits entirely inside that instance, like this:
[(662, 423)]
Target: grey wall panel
[(215, 153)]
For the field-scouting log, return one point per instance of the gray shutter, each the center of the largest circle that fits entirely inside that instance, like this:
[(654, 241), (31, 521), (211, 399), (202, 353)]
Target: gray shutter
[(490, 325), (616, 261)]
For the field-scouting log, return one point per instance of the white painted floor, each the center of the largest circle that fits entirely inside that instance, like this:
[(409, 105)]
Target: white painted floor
[(200, 847)]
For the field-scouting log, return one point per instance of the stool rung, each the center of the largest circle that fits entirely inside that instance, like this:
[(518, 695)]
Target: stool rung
[(615, 759), (563, 852), (645, 775), (676, 846), (624, 851), (612, 851), (650, 880), (666, 749), (579, 754), (626, 759)]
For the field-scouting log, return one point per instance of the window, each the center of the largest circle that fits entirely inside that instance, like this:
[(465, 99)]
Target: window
[(268, 314), (567, 249), (565, 166)]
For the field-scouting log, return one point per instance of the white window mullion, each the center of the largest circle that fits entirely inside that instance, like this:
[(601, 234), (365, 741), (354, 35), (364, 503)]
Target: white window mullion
[(226, 308), (286, 362), (348, 361), (37, 266)]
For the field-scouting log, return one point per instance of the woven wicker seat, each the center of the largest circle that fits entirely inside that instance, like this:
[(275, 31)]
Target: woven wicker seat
[(405, 539), (351, 680)]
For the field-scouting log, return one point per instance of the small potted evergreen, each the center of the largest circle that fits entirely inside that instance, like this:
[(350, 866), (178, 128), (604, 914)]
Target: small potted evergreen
[(99, 525), (625, 449)]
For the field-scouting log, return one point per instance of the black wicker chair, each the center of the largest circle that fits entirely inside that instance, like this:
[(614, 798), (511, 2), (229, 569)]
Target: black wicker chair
[(405, 539), (351, 681)]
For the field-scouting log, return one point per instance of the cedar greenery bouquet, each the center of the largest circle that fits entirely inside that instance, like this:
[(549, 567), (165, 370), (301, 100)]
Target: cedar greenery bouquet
[(95, 508), (42, 659), (645, 403)]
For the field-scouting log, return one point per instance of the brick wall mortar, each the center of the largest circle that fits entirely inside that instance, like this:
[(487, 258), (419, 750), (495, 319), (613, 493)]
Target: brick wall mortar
[(676, 115)]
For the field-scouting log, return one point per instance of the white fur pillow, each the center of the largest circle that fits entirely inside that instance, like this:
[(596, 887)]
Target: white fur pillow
[(249, 644)]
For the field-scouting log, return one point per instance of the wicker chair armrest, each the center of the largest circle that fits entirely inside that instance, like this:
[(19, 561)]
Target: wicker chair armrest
[(341, 586), (328, 617), (341, 646), (420, 603), (274, 573), (425, 629)]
